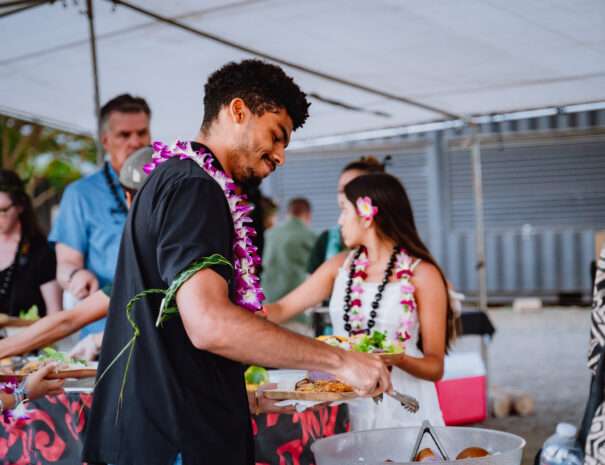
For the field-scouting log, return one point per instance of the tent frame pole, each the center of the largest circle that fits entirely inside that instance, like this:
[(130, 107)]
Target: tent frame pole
[(95, 77), (479, 218)]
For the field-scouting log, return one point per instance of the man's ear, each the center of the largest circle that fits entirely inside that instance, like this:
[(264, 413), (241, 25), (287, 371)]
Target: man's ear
[(238, 110)]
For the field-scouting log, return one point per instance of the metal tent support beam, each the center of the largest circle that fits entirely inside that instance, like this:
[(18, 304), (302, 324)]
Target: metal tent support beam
[(11, 8), (95, 77)]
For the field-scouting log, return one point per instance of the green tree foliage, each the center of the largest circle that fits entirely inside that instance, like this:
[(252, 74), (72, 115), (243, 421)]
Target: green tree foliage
[(47, 158)]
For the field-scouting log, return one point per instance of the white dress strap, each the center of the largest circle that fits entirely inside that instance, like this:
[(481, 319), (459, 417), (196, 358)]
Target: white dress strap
[(415, 264)]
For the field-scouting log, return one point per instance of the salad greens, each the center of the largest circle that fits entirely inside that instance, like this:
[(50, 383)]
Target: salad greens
[(376, 342), (48, 354), (32, 314)]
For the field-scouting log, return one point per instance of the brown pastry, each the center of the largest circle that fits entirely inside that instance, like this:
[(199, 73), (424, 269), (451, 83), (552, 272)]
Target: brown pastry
[(425, 454), (306, 385), (472, 453)]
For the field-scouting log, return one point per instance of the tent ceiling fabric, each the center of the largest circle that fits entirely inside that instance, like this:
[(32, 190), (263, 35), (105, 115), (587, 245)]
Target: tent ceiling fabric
[(471, 57)]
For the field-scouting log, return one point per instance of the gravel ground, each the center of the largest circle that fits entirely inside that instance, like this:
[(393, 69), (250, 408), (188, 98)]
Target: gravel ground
[(543, 354)]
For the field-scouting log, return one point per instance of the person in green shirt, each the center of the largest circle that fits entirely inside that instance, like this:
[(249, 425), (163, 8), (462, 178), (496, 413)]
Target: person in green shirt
[(287, 248)]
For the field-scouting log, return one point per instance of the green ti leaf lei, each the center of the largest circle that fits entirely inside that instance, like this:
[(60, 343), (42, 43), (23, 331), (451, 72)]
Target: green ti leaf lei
[(168, 309)]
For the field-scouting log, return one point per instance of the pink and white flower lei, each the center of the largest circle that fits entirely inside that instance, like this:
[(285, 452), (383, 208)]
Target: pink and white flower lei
[(248, 292), (403, 273)]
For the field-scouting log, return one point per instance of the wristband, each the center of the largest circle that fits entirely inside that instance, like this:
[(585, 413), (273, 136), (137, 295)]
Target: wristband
[(19, 393), (73, 272)]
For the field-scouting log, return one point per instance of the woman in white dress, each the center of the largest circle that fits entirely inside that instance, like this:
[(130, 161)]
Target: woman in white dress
[(388, 282)]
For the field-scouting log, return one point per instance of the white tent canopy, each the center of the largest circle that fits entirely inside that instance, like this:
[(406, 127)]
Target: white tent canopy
[(466, 58), (362, 62)]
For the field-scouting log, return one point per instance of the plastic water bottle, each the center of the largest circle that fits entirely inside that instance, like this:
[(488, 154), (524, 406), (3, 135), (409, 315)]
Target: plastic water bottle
[(562, 448)]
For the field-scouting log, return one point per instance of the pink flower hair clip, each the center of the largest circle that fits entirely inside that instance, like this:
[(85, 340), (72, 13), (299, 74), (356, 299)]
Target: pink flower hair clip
[(365, 208)]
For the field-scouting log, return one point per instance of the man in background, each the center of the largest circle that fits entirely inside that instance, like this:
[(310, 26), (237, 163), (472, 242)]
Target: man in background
[(287, 249), (93, 210)]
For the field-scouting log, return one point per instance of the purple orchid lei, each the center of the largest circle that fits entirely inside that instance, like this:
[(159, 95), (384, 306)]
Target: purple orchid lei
[(16, 415), (248, 292)]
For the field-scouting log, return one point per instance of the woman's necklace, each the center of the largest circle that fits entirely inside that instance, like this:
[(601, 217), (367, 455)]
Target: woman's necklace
[(401, 263), (121, 206), (357, 275)]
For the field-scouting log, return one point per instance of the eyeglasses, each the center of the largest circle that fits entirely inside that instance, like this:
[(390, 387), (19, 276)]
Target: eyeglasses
[(5, 210)]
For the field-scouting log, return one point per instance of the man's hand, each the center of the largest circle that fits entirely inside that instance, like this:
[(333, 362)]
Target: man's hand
[(366, 373), (36, 386), (88, 348), (82, 284)]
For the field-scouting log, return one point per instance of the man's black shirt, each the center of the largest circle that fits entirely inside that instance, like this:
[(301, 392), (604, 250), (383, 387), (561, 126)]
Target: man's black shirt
[(177, 399)]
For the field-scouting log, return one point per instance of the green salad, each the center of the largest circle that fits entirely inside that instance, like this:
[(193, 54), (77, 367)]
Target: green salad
[(48, 354), (375, 342), (32, 314)]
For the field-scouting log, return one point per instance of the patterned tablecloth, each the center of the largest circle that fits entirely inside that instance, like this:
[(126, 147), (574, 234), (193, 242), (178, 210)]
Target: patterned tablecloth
[(54, 431)]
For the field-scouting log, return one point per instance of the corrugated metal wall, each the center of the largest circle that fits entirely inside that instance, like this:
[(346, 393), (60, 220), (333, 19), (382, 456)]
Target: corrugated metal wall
[(544, 198), (315, 176), (542, 205)]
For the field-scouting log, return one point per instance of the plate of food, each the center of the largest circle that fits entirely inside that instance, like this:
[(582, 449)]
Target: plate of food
[(374, 343), (17, 368), (321, 390)]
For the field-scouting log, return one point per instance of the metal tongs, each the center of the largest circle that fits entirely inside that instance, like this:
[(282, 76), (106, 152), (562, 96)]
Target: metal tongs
[(426, 427), (407, 402)]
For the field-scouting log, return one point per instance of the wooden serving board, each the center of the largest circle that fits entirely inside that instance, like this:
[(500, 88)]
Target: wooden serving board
[(11, 321), (275, 394), (65, 374)]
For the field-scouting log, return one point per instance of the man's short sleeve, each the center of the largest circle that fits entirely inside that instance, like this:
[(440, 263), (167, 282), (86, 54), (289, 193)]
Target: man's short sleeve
[(193, 222), (69, 227)]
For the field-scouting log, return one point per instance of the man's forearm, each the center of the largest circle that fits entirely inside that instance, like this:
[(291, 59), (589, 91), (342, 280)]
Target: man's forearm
[(69, 260), (232, 332), (42, 333), (65, 270), (260, 342), (52, 328)]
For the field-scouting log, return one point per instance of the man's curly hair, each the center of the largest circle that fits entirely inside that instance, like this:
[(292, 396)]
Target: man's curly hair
[(262, 86)]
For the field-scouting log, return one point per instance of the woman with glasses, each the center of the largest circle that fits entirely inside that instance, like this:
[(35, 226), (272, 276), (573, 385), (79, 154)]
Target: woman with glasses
[(27, 263)]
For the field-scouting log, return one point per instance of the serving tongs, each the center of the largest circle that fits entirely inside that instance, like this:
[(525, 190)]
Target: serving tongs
[(425, 428), (407, 402)]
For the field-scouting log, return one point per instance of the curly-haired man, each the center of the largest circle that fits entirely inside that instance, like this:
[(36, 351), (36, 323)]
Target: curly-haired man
[(180, 397)]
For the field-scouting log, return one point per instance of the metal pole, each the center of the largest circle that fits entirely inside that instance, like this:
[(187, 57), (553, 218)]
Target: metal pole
[(479, 221), (95, 76)]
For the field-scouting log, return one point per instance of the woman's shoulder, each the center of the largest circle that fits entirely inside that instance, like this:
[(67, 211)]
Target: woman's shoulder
[(426, 274)]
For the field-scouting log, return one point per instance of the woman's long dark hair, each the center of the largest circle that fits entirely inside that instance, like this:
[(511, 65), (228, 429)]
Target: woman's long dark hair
[(395, 221), (11, 184)]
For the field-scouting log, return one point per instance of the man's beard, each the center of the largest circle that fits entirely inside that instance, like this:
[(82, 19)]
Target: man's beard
[(249, 180)]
